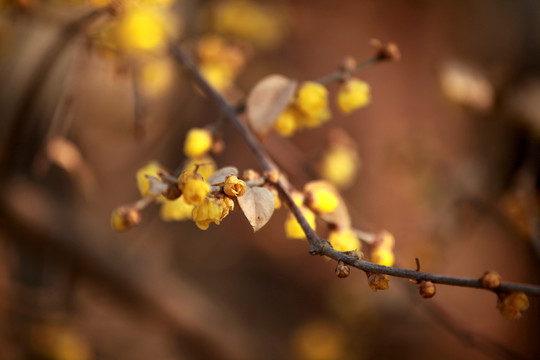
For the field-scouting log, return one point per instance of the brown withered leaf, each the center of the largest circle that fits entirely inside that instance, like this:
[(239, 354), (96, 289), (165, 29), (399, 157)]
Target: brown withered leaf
[(220, 175), (258, 206), (267, 100), (340, 216), (157, 186)]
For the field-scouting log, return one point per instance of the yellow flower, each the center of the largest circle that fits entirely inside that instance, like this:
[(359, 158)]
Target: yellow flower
[(198, 142), (205, 165), (210, 210), (153, 168), (313, 121), (176, 210), (323, 200), (298, 198), (234, 186), (378, 281), (293, 230), (194, 190), (312, 100), (386, 240), (219, 77), (156, 76), (261, 25), (340, 165), (286, 124), (141, 29), (344, 240), (352, 95), (382, 256), (227, 205)]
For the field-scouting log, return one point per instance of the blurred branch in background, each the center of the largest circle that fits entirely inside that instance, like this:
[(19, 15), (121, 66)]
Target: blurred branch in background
[(39, 230)]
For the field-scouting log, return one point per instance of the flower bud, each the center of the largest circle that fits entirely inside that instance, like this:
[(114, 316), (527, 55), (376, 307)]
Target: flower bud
[(250, 174), (125, 217), (234, 187), (491, 280), (511, 305), (427, 289), (378, 281), (342, 270), (272, 176)]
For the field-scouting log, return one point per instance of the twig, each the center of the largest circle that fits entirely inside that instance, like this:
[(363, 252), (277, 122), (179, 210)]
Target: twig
[(319, 246)]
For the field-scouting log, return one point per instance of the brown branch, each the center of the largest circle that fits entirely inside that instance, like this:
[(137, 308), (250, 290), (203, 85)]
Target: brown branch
[(38, 79), (319, 246)]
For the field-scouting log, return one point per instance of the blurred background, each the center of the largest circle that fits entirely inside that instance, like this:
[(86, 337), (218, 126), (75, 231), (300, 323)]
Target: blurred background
[(449, 163)]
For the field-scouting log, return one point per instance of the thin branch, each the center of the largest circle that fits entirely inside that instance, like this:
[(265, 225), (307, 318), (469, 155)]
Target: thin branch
[(319, 246), (340, 74), (38, 79)]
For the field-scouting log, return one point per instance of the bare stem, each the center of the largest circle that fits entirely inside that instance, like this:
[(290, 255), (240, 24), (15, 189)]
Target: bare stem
[(340, 74), (319, 246)]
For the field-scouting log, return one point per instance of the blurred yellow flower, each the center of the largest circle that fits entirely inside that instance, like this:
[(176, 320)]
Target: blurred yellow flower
[(151, 169), (344, 240), (259, 25), (293, 230), (340, 165), (194, 190), (312, 100), (382, 256), (156, 76), (205, 165), (198, 142), (353, 94), (286, 124), (176, 210), (141, 29)]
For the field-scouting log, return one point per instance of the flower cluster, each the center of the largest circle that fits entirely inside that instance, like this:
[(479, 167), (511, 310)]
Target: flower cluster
[(262, 26), (189, 196), (220, 61), (310, 109)]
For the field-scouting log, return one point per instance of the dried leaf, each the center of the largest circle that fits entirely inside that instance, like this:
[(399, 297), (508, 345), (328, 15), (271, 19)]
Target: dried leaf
[(258, 206), (267, 100), (466, 85), (340, 216), (157, 186), (220, 175)]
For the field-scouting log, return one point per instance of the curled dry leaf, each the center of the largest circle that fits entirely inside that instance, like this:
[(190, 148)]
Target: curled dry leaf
[(157, 186), (466, 85), (267, 100), (258, 206), (340, 216), (220, 175)]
